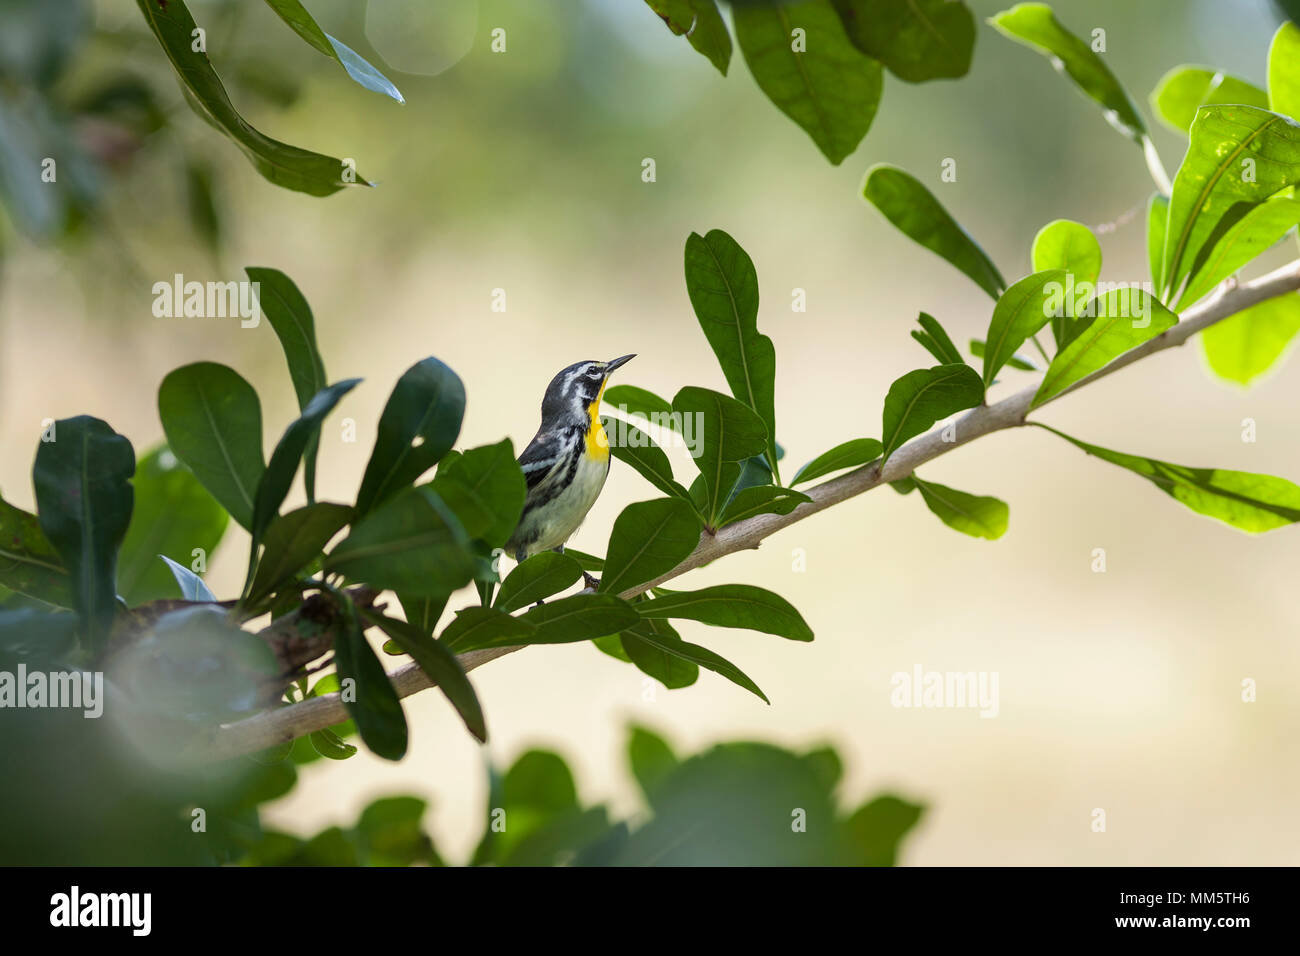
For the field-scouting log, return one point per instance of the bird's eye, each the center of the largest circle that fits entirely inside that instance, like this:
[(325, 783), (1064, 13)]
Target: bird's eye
[(594, 376)]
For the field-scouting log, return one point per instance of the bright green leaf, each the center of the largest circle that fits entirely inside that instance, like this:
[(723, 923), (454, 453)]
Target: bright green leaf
[(1020, 312), (975, 515), (1244, 346), (850, 454), (1184, 89), (1284, 71)]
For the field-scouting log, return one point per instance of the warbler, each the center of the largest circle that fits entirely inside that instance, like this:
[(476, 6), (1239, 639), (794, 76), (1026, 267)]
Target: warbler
[(566, 463)]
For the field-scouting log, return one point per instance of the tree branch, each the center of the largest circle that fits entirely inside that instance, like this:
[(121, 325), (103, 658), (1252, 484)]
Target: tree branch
[(280, 726)]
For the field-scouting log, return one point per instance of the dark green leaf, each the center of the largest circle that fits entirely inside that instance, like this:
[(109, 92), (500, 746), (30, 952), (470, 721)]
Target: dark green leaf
[(331, 745), (936, 341), (918, 215), (701, 23), (650, 759), (850, 454), (84, 498), (1020, 312), (293, 13), (723, 288), (28, 562), (701, 656), (874, 832), (582, 617), (420, 423), (537, 578), (671, 670), (646, 458), (726, 432), (174, 515), (423, 612), (638, 401), (649, 538), (1124, 319), (412, 544), (1184, 89), (476, 627), (832, 91), (1035, 26), (975, 515), (924, 396), (731, 605), (1245, 345), (440, 665), (282, 164), (293, 541), (213, 423), (486, 490), (278, 477), (762, 500), (1244, 500), (291, 318), (918, 40), (370, 698)]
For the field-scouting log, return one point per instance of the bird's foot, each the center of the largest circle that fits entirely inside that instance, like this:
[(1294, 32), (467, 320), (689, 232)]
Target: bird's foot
[(591, 581)]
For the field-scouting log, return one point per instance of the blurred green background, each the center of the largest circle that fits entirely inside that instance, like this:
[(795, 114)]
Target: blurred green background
[(522, 171)]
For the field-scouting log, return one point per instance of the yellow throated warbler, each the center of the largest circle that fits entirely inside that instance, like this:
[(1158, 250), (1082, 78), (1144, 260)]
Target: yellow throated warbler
[(567, 461)]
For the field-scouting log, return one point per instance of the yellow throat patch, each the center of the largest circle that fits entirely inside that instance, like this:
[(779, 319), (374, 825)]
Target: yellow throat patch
[(597, 440)]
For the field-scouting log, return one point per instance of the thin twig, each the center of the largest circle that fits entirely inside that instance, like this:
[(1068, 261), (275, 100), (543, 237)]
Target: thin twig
[(280, 726)]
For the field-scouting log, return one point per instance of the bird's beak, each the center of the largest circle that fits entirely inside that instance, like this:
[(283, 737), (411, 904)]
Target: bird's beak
[(615, 363)]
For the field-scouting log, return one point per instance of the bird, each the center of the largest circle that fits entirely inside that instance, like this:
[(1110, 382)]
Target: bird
[(566, 463)]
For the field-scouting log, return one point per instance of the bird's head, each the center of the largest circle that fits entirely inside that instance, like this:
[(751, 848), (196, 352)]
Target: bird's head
[(574, 392)]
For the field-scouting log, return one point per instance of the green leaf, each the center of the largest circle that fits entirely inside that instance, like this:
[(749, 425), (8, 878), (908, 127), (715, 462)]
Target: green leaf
[(28, 562), (293, 13), (536, 579), (723, 289), (1237, 154), (588, 562), (671, 670), (284, 165), (213, 423), (1245, 345), (476, 627), (440, 665), (1184, 89), (192, 586), (650, 759), (278, 477), (582, 617), (1069, 246), (293, 541), (762, 500), (731, 605), (649, 538), (486, 489), (1113, 331), (331, 745), (373, 703), (1284, 71), (412, 544), (173, 516), (1157, 221), (419, 424), (1020, 312), (647, 459), (423, 612), (924, 396), (850, 454), (832, 91), (875, 830), (1240, 242), (918, 215), (918, 40), (1016, 361), (1035, 26), (612, 646), (637, 401), (727, 432), (84, 498), (1244, 500), (975, 515), (290, 317), (701, 23), (700, 656), (936, 341)]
